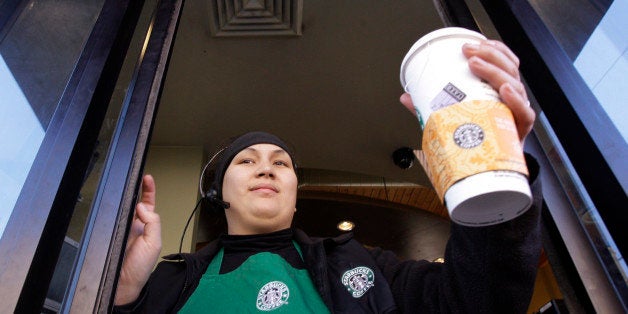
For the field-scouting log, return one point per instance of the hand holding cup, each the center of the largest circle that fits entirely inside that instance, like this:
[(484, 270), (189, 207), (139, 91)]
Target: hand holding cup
[(474, 112), (495, 63)]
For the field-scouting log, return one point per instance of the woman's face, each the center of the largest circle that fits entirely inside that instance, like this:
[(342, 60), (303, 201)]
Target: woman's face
[(261, 185)]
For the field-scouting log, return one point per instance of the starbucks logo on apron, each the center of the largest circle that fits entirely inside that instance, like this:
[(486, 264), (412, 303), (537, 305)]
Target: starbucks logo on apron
[(358, 280), (272, 295)]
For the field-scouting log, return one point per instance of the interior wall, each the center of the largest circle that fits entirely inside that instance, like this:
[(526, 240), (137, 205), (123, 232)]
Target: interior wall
[(176, 170), (409, 233)]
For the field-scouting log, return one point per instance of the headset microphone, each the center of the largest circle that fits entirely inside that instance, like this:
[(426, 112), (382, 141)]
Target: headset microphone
[(212, 197), (188, 223)]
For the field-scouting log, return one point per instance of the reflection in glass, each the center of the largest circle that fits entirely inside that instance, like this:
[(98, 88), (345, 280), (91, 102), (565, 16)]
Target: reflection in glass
[(603, 64), (38, 55), (83, 214), (594, 34), (21, 134)]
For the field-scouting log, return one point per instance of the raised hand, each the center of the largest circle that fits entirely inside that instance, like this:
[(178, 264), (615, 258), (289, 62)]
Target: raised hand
[(143, 246)]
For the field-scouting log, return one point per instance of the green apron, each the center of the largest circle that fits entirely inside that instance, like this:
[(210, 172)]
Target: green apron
[(264, 282)]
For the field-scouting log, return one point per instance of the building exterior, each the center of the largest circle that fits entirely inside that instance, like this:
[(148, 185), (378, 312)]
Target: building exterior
[(81, 81)]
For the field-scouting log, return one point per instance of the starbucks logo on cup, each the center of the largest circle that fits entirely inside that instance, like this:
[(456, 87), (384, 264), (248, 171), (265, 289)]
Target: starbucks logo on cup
[(468, 135)]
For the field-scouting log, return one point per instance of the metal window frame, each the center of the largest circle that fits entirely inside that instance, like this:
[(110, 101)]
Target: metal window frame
[(576, 116), (581, 125), (113, 209), (586, 133), (35, 231), (9, 12)]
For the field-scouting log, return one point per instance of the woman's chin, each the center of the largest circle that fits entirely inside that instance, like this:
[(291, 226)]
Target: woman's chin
[(273, 217)]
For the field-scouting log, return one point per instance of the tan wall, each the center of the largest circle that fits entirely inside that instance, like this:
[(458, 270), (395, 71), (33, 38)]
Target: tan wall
[(176, 171)]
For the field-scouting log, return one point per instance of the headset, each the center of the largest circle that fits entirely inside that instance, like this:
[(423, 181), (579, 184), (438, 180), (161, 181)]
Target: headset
[(211, 195)]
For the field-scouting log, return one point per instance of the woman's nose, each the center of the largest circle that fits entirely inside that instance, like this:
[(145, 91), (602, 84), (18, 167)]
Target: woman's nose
[(265, 169)]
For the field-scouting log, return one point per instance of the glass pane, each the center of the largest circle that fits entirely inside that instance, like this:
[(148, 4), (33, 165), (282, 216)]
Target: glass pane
[(37, 57), (94, 172), (78, 233), (594, 34), (603, 64), (21, 134)]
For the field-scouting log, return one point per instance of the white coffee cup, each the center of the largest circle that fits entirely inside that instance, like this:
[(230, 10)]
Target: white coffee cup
[(437, 76)]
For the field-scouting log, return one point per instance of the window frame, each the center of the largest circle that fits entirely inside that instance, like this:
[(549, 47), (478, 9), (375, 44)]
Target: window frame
[(35, 231), (580, 124), (9, 12), (113, 210)]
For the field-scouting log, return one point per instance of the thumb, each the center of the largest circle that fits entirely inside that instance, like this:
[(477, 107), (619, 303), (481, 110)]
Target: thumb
[(406, 100)]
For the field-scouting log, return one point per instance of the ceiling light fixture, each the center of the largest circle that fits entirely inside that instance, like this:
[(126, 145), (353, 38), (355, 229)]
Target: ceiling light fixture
[(345, 225)]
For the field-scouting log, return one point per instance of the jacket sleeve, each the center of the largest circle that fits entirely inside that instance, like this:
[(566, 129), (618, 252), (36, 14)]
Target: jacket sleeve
[(133, 307), (161, 292), (487, 269)]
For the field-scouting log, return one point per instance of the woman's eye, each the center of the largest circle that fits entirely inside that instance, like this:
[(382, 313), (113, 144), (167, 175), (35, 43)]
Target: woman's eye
[(281, 163), (246, 161)]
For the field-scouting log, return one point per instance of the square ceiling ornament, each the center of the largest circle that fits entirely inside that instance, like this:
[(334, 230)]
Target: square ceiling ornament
[(244, 18)]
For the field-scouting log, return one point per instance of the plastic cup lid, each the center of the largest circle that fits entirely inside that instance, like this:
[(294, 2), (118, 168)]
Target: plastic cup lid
[(443, 33)]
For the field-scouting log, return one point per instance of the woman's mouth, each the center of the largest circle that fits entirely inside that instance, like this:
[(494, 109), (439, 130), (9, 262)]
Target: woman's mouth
[(264, 187)]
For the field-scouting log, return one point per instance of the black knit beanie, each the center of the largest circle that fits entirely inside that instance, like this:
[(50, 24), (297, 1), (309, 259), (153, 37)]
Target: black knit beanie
[(228, 153)]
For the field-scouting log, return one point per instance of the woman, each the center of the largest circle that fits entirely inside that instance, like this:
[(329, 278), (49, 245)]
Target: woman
[(262, 264)]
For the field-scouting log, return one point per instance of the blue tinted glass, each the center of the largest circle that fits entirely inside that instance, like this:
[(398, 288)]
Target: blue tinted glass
[(594, 34), (21, 134), (603, 64), (37, 57)]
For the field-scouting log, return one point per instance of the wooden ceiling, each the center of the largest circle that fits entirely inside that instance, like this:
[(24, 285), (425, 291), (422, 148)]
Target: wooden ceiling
[(411, 197)]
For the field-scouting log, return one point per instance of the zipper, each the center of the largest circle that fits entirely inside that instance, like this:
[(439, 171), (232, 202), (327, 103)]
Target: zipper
[(184, 260)]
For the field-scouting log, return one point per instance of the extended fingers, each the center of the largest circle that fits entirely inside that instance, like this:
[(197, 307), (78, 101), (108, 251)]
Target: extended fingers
[(148, 221), (495, 63), (151, 228), (145, 209), (148, 190), (494, 52), (504, 50), (523, 114), (495, 75)]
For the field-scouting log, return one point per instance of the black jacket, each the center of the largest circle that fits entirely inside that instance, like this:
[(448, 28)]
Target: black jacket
[(487, 270)]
